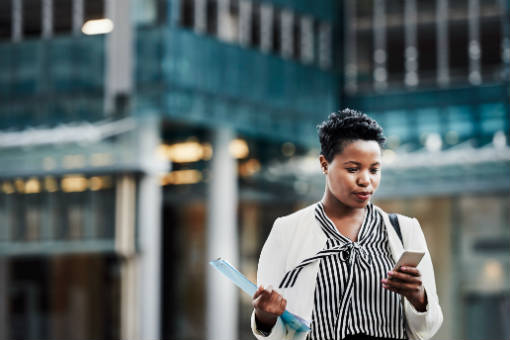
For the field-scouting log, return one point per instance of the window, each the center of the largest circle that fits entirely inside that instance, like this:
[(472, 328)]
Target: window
[(212, 17), (306, 39), (245, 19), (187, 9), (31, 18), (490, 39), (260, 25), (94, 9), (287, 33), (228, 20), (395, 40), (62, 15), (255, 26), (5, 19), (325, 45)]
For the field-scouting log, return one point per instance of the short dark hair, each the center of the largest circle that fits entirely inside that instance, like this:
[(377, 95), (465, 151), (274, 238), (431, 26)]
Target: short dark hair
[(346, 126)]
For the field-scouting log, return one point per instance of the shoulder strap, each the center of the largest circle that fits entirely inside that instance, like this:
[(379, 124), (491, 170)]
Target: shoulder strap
[(396, 226)]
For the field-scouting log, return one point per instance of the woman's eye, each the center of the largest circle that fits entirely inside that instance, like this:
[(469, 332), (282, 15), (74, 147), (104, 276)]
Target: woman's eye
[(352, 169), (374, 171)]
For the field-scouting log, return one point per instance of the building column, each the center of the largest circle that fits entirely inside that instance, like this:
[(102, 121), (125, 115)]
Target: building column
[(266, 27), (325, 49), (245, 24), (149, 232), (505, 40), (119, 55), (475, 51), (174, 13), (47, 18), (17, 20), (287, 33), (77, 16), (222, 239), (380, 53), (350, 50), (200, 16), (443, 67), (125, 226), (411, 51)]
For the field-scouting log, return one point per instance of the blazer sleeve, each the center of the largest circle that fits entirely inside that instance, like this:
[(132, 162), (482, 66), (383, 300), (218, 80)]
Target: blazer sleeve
[(423, 325), (271, 268)]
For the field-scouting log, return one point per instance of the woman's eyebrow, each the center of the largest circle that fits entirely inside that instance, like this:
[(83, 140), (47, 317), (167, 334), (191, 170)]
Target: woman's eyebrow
[(358, 163)]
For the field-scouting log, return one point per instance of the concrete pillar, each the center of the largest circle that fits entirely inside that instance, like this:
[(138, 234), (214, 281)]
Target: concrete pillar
[(245, 22), (120, 53), (125, 208), (411, 50), (325, 42), (222, 239), (149, 233), (380, 52), (443, 65), (505, 39), (287, 33), (47, 18), (17, 20), (174, 12), (77, 16), (474, 49), (350, 50), (200, 16), (266, 26)]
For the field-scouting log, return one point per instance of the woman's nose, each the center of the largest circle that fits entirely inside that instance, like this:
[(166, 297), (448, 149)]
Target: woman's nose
[(363, 179)]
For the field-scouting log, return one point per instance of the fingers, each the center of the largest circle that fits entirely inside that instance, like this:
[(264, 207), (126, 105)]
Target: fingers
[(258, 292), (401, 287), (410, 270), (269, 301), (404, 277)]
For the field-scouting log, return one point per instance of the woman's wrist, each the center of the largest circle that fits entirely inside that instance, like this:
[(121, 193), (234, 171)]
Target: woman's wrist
[(420, 303), (265, 323)]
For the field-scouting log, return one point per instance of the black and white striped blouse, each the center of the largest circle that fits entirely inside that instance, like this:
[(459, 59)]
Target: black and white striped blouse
[(349, 297)]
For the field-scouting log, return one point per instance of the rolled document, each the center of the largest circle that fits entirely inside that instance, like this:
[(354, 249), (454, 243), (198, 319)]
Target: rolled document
[(293, 321)]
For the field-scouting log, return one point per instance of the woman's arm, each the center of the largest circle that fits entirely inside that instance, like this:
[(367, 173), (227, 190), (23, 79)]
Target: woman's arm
[(271, 268), (421, 304)]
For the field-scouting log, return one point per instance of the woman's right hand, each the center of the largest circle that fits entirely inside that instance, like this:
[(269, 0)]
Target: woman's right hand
[(269, 305)]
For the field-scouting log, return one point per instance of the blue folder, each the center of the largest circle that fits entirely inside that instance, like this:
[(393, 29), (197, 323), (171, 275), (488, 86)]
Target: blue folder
[(292, 320)]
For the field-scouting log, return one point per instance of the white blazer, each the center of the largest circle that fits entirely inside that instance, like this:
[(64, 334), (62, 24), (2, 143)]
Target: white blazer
[(298, 236)]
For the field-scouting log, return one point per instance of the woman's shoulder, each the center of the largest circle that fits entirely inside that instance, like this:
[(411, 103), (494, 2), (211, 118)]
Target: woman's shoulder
[(400, 216), (299, 215), (406, 223)]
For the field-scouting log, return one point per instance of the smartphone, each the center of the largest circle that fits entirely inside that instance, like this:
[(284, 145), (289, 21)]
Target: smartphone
[(409, 258)]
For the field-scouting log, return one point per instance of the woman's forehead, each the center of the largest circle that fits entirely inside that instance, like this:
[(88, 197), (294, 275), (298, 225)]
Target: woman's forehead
[(360, 151)]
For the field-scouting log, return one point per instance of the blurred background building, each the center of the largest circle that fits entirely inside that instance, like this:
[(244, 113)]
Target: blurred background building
[(141, 139)]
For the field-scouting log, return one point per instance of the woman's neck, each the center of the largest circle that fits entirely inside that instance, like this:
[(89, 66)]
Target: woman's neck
[(338, 210)]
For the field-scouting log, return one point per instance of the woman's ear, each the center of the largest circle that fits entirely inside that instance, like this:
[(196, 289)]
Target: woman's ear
[(324, 164)]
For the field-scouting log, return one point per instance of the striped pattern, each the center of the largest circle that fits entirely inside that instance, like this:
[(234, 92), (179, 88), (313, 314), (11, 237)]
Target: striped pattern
[(349, 298)]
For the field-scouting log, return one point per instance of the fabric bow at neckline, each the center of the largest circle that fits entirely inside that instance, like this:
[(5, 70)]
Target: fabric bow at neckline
[(350, 252)]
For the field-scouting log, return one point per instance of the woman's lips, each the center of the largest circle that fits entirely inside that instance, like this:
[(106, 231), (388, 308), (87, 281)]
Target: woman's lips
[(362, 196)]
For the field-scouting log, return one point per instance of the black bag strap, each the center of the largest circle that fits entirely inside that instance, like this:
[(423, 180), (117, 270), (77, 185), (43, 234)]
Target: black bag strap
[(396, 226)]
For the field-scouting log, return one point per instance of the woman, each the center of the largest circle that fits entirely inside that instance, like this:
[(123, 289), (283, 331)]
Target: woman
[(332, 262)]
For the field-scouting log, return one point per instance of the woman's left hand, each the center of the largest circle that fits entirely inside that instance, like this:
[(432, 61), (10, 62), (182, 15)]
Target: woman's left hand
[(407, 282)]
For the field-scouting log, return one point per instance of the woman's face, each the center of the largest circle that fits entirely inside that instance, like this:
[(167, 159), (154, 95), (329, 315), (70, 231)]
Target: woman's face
[(353, 176)]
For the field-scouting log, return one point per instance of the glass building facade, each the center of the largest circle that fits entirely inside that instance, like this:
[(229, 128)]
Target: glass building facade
[(131, 155)]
